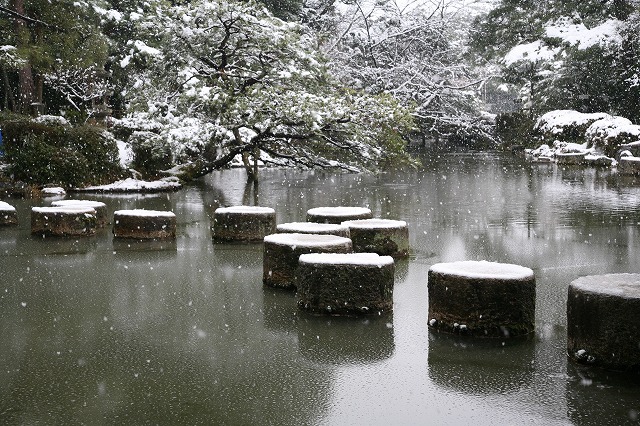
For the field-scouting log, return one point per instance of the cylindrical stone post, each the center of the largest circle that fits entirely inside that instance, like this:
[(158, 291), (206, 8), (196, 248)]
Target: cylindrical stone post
[(144, 224), (603, 321), (99, 207), (8, 214), (383, 236), (63, 221), (345, 284), (313, 228), (282, 251), (243, 223), (482, 299), (337, 215)]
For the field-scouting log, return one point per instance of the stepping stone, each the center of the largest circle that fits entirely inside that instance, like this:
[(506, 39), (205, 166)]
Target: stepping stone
[(282, 251), (337, 215), (144, 224), (383, 236), (482, 299), (603, 321), (345, 284), (99, 207), (8, 214), (243, 223), (63, 221), (313, 228)]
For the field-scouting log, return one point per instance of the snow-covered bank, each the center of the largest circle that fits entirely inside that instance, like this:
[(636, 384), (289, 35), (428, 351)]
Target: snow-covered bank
[(135, 185), (596, 139)]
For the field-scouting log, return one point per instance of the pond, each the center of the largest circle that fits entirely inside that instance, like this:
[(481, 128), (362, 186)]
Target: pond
[(97, 331)]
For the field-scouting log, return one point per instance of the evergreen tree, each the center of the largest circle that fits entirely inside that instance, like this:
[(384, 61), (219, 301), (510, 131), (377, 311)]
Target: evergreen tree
[(52, 42)]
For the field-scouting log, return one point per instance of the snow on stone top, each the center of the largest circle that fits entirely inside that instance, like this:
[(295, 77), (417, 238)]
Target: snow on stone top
[(375, 223), (64, 210), (53, 191), (338, 211), (624, 285), (368, 259), (245, 210), (583, 37), (135, 185), (310, 227), (6, 207), (555, 121), (82, 203), (483, 269), (306, 240), (143, 213)]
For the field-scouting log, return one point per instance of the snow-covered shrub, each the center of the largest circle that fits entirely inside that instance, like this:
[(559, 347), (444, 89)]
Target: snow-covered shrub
[(92, 157), (151, 153), (565, 125), (610, 134)]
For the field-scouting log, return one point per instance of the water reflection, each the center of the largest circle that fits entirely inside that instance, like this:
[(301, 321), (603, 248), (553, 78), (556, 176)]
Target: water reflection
[(343, 341), (480, 366), (99, 332)]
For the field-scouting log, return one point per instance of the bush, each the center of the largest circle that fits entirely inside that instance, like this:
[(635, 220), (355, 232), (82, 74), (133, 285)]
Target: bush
[(52, 152), (151, 153), (515, 128)]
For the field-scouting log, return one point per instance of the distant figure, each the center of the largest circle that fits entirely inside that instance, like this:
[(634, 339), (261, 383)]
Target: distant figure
[(1, 145)]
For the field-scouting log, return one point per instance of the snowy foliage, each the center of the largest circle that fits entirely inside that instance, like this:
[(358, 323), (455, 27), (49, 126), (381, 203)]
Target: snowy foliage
[(555, 53), (415, 53), (261, 87)]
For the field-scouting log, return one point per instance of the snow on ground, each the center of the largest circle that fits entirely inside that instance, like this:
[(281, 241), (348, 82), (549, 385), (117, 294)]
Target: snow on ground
[(369, 259), (483, 269), (245, 210), (6, 207), (306, 240), (135, 185)]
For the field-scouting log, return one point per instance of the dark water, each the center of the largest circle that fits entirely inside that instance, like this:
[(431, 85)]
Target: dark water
[(96, 331)]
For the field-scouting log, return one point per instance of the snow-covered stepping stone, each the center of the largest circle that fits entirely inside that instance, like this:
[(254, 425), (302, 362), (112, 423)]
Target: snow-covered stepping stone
[(63, 221), (345, 284), (144, 224), (243, 223), (8, 214), (313, 228), (383, 236), (281, 253), (603, 321), (99, 207), (482, 299), (337, 215), (54, 191)]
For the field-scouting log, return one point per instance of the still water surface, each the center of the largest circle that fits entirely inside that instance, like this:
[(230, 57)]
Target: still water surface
[(96, 331)]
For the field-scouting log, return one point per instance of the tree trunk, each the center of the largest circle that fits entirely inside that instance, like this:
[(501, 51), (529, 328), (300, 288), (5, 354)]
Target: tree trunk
[(26, 86), (9, 98)]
